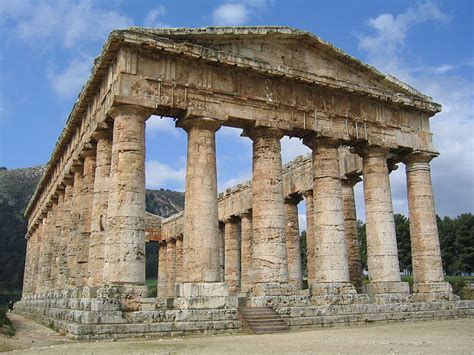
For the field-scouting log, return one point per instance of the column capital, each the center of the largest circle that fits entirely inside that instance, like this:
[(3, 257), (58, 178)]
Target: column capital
[(263, 132), (129, 110), (293, 199), (418, 157), (350, 180), (77, 169), (308, 193), (205, 123), (245, 214), (313, 142), (88, 153), (368, 151), (103, 134), (68, 182), (230, 219)]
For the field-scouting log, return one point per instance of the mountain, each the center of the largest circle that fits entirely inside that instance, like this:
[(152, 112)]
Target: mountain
[(16, 188)]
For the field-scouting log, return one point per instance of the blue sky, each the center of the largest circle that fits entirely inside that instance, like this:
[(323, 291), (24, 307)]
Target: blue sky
[(47, 48)]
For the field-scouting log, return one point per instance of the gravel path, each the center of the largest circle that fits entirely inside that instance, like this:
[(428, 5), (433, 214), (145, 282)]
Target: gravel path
[(433, 337)]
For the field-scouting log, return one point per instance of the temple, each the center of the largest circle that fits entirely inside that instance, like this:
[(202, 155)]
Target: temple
[(233, 259)]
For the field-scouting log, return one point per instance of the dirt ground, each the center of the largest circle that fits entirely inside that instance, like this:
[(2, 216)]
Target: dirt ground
[(433, 337)]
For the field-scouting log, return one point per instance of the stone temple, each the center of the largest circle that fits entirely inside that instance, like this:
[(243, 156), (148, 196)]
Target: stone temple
[(233, 260)]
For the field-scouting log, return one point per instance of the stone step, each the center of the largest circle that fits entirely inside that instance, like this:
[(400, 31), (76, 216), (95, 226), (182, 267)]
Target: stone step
[(263, 320)]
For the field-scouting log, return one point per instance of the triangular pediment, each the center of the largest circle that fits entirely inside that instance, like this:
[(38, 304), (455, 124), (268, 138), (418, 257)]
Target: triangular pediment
[(284, 47)]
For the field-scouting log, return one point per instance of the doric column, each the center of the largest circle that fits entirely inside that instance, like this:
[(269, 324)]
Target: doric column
[(382, 253), (332, 271), (162, 289), (65, 230), (232, 255), (171, 268), (89, 156), (179, 259), (201, 225), (269, 258), (425, 249), (125, 237), (310, 248), (221, 252), (73, 249), (293, 245), (56, 250), (49, 250), (350, 227), (246, 250), (27, 276), (99, 207), (38, 252)]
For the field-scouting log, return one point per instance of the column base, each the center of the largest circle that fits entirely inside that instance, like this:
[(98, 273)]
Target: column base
[(332, 288), (204, 295), (375, 288), (274, 289), (127, 296), (433, 291)]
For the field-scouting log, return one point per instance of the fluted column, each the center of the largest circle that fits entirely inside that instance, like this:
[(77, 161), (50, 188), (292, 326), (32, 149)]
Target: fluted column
[(56, 250), (269, 257), (73, 250), (232, 255), (350, 227), (293, 244), (125, 237), (221, 252), (27, 276), (310, 248), (162, 289), (201, 225), (49, 247), (99, 207), (246, 250), (89, 156), (65, 227), (382, 253), (179, 259), (39, 257), (332, 271), (427, 266), (171, 268)]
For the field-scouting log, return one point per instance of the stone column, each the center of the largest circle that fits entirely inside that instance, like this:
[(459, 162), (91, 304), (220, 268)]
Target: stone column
[(350, 227), (162, 289), (125, 239), (382, 254), (179, 259), (232, 255), (56, 281), (89, 156), (171, 268), (66, 220), (293, 245), (49, 246), (73, 249), (99, 207), (39, 246), (310, 248), (201, 225), (27, 277), (269, 258), (427, 267), (332, 271), (221, 252), (246, 250)]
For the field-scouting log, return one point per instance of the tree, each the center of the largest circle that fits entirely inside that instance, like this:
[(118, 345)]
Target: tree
[(402, 231)]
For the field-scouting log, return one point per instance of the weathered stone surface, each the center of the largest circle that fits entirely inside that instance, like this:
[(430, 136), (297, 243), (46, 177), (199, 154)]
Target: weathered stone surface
[(269, 258), (232, 255), (246, 249), (162, 288), (293, 246)]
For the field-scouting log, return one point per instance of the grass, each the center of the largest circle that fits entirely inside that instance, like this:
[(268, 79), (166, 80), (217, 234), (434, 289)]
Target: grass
[(6, 327), (151, 283)]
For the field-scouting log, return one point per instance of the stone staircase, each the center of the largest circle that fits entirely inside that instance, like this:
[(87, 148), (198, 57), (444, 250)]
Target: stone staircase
[(263, 320)]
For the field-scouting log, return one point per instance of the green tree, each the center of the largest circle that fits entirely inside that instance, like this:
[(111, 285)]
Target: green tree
[(402, 231), (362, 236)]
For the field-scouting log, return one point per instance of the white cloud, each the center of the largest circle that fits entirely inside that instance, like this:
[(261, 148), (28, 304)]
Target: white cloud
[(70, 81), (453, 171), (238, 13), (383, 46), (302, 222), (222, 185), (292, 148), (159, 175), (67, 23), (152, 17), (162, 124), (230, 15)]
